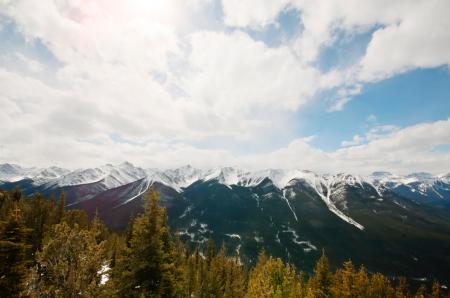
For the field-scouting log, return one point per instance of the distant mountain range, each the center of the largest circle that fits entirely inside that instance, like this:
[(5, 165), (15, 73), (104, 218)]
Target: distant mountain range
[(420, 187), (391, 223)]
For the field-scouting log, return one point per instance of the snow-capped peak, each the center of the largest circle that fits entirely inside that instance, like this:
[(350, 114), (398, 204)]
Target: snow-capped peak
[(176, 178), (109, 175), (328, 187), (13, 173), (116, 175)]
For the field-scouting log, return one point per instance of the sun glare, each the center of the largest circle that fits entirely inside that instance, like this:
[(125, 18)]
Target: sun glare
[(164, 11)]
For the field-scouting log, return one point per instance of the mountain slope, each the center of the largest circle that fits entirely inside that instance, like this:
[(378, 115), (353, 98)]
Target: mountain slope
[(393, 224)]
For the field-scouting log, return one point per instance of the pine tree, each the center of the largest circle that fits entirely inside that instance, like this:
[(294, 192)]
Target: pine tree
[(38, 218), (16, 194), (217, 272), (190, 274), (435, 290), (401, 290), (343, 281), (235, 282), (76, 217), (421, 292), (272, 278), (147, 261), (14, 255), (68, 263), (259, 285), (320, 283), (380, 287), (210, 251), (148, 266), (59, 214), (361, 283), (199, 269)]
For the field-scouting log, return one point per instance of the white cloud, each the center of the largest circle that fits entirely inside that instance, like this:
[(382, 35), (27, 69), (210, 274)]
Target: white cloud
[(252, 13), (407, 34), (339, 104), (357, 140), (237, 74), (374, 133), (380, 131), (210, 83), (420, 39), (140, 70), (403, 151)]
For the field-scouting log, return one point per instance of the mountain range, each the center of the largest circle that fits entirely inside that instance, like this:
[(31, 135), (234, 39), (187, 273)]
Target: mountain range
[(396, 224)]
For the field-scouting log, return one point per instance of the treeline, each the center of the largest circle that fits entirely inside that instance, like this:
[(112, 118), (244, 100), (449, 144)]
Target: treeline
[(46, 251)]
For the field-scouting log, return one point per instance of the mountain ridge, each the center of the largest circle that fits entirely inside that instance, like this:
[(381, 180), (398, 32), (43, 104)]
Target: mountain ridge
[(391, 223), (415, 185), (184, 176)]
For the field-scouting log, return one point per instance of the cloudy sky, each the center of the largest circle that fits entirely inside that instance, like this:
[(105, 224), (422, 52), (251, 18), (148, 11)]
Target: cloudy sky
[(325, 85)]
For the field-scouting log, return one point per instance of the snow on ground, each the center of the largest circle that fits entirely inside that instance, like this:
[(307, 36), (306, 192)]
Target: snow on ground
[(289, 205), (103, 272), (307, 246), (236, 236)]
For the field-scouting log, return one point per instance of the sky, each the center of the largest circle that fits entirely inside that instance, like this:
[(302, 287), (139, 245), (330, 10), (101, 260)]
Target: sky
[(323, 85)]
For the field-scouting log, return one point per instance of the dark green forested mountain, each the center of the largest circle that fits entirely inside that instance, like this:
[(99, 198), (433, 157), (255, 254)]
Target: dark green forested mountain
[(399, 236)]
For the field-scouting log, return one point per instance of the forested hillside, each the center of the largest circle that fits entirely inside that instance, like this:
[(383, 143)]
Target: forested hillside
[(46, 251)]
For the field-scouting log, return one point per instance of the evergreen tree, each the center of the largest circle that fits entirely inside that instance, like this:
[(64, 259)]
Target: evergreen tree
[(320, 283), (235, 284), (343, 281), (272, 278), (380, 287), (147, 261), (148, 266), (76, 217), (68, 263), (361, 283), (421, 292), (190, 276), (14, 254), (401, 290), (37, 217), (59, 214), (259, 285), (435, 290)]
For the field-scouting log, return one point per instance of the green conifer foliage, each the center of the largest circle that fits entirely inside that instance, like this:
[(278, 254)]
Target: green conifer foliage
[(435, 290), (68, 263), (272, 278), (147, 267), (48, 252), (14, 255), (320, 283), (380, 287)]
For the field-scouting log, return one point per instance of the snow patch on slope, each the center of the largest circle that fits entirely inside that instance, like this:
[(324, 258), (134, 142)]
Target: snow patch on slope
[(289, 205)]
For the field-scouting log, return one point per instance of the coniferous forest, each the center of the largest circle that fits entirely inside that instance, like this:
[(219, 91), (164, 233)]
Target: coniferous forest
[(46, 251)]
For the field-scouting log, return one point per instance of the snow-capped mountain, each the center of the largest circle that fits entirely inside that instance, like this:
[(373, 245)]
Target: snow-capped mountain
[(12, 173), (293, 214), (111, 176), (330, 188), (176, 178)]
